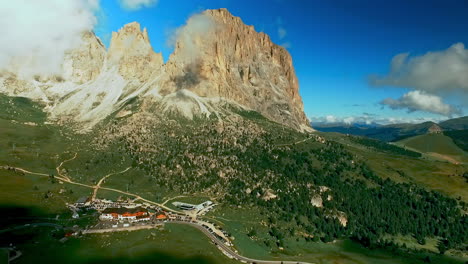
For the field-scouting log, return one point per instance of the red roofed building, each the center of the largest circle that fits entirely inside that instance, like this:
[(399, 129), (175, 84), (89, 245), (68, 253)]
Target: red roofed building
[(161, 217), (123, 213)]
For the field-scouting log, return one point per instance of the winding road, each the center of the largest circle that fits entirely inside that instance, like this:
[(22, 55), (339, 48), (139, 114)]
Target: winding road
[(225, 249), (231, 253)]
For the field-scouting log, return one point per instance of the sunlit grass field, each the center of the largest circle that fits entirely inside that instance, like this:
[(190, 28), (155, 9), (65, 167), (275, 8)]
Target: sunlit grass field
[(434, 174), (41, 148), (438, 144)]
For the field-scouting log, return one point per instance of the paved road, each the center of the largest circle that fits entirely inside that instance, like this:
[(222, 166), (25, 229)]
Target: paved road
[(220, 244), (231, 252), (294, 143)]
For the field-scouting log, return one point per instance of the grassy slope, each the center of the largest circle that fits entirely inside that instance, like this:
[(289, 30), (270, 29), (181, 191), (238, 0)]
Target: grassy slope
[(432, 173), (27, 142), (459, 137), (455, 123), (436, 143), (25, 139), (174, 244), (238, 221), (385, 133), (41, 148), (29, 191), (21, 109)]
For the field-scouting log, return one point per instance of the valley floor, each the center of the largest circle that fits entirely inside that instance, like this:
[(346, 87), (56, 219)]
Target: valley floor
[(341, 251)]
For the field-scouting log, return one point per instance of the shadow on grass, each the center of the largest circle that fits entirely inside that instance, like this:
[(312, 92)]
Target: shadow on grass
[(154, 258), (402, 255), (41, 243)]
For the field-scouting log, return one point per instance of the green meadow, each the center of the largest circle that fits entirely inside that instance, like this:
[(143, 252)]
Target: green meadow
[(439, 145)]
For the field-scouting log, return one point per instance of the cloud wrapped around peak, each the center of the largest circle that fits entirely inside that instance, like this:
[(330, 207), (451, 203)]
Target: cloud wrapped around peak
[(438, 72), (421, 101), (188, 38), (133, 5), (282, 32), (37, 34)]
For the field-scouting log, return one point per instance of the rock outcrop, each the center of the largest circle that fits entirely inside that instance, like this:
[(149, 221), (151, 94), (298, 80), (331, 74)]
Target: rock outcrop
[(434, 129), (239, 64), (85, 63), (130, 50), (227, 63)]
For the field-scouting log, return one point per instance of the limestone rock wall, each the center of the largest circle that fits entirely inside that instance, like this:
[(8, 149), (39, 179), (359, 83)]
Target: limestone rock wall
[(130, 50), (228, 62), (85, 63), (237, 63)]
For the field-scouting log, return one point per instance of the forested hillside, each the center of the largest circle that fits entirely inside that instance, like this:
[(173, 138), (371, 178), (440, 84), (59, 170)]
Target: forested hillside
[(311, 184), (307, 186), (459, 137)]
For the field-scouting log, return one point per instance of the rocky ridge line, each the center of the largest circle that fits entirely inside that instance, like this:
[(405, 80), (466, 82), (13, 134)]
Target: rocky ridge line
[(234, 64)]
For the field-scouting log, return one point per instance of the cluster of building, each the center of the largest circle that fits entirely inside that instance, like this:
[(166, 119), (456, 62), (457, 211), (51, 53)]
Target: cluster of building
[(101, 204), (123, 211), (136, 214), (128, 211)]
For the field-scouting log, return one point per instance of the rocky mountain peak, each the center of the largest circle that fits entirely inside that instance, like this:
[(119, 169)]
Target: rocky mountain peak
[(434, 129), (131, 51), (130, 39), (217, 61), (237, 63), (85, 63)]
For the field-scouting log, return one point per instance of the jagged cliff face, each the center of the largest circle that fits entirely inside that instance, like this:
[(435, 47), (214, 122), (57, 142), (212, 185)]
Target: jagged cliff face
[(85, 63), (239, 64), (131, 51), (229, 63)]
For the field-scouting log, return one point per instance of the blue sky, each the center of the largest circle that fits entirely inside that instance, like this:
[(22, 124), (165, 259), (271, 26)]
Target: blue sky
[(336, 46)]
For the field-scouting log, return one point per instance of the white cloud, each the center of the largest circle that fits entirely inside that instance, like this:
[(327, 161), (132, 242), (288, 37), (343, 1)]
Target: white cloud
[(133, 5), (438, 72), (198, 28), (348, 120), (36, 34), (282, 32), (371, 119), (421, 101), (331, 119), (286, 45)]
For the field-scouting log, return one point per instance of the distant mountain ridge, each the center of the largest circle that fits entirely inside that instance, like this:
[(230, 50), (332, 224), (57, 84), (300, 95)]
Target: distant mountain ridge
[(460, 123), (395, 132)]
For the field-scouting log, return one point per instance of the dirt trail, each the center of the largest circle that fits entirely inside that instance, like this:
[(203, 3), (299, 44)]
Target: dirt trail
[(175, 197), (24, 171), (98, 185), (61, 163), (67, 180), (444, 157), (294, 143)]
